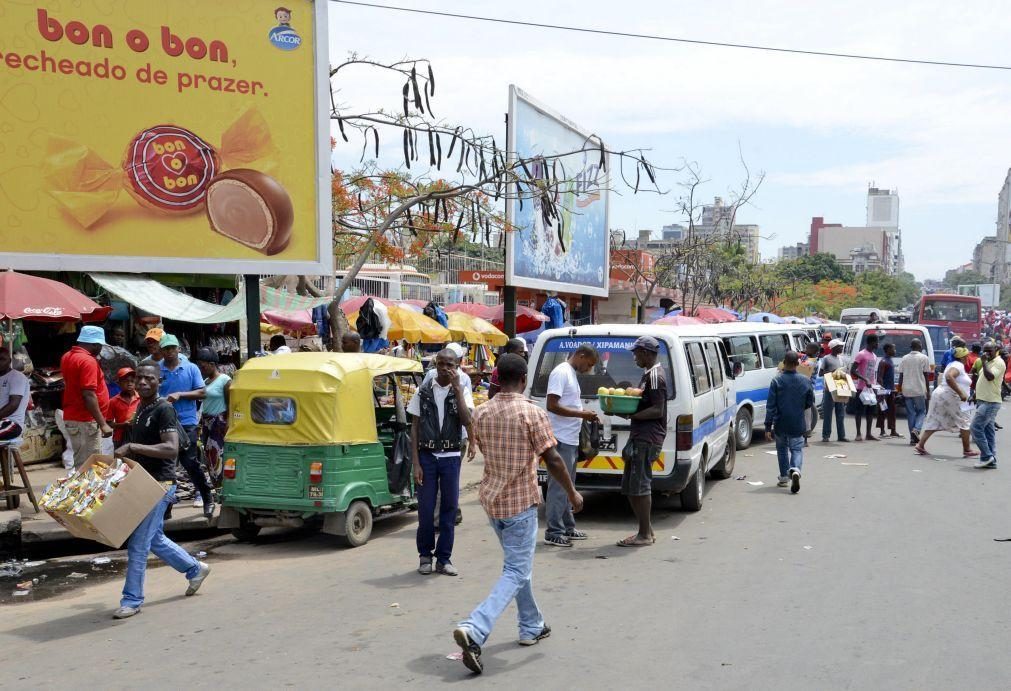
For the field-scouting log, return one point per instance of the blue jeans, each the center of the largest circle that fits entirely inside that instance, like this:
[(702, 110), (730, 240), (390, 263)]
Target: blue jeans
[(518, 536), (916, 412), (149, 537), (790, 451), (828, 408), (441, 477), (558, 510), (983, 431)]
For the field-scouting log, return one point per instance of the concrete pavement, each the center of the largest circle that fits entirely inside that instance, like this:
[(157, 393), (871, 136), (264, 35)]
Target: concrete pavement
[(876, 576)]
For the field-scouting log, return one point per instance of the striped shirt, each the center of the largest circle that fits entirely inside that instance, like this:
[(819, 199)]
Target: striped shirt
[(654, 392), (512, 434)]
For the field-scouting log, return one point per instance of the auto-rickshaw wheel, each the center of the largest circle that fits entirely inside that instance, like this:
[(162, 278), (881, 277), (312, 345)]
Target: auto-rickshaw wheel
[(358, 524), (246, 532)]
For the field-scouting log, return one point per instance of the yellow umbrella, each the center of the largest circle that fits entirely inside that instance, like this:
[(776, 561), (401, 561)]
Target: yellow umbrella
[(413, 326), (475, 330)]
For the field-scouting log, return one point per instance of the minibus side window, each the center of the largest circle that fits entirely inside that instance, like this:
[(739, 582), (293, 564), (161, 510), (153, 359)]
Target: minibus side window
[(700, 375), (742, 351), (774, 347), (715, 364)]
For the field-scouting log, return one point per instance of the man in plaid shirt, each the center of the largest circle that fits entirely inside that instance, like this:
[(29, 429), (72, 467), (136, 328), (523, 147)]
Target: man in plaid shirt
[(512, 433)]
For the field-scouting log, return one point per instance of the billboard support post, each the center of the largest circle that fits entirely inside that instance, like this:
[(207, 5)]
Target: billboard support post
[(508, 290), (251, 287), (586, 313)]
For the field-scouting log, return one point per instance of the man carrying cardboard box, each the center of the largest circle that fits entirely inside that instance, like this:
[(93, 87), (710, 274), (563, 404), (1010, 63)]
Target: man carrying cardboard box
[(153, 442)]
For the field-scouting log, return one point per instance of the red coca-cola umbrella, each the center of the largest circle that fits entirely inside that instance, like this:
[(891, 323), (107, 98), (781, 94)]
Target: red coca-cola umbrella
[(40, 299), (527, 318), (474, 309), (714, 315)]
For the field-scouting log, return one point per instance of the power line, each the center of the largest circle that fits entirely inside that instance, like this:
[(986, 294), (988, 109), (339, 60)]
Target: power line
[(674, 39)]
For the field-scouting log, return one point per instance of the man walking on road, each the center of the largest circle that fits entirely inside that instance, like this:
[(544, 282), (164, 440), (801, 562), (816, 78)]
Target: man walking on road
[(886, 377), (154, 444), (85, 395), (914, 384), (790, 395), (182, 385), (645, 440), (829, 408), (512, 433), (566, 414), (441, 409), (988, 400)]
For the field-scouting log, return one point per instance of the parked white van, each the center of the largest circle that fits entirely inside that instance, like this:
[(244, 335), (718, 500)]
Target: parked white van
[(900, 335), (755, 350), (700, 406), (860, 315)]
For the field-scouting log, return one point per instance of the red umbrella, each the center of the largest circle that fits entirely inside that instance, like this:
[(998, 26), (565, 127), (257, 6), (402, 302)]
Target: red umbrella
[(40, 299), (352, 305), (714, 315), (678, 320), (295, 322), (527, 318)]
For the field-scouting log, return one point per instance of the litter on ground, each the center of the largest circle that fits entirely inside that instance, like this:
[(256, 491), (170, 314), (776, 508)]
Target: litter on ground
[(755, 483), (854, 464), (836, 455)]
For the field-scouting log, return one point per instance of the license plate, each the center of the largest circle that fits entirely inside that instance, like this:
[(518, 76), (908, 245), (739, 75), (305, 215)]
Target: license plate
[(315, 492), (609, 444)]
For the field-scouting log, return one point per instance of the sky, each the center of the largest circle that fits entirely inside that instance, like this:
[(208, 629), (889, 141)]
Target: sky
[(821, 129)]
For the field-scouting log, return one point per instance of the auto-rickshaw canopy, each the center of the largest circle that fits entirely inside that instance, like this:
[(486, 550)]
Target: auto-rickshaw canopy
[(309, 398)]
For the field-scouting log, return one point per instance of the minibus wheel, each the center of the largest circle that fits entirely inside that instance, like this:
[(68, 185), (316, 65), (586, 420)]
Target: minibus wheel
[(742, 428), (725, 468), (691, 496)]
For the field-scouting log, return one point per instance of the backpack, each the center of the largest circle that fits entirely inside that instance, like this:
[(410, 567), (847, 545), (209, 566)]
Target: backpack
[(184, 438)]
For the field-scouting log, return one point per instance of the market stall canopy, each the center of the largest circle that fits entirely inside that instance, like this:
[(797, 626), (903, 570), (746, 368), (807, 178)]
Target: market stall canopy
[(39, 299), (714, 315), (411, 325), (151, 296), (678, 320), (760, 316), (474, 330), (527, 318)]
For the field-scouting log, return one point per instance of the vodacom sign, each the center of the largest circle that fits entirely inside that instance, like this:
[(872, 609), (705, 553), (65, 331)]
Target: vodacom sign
[(43, 311)]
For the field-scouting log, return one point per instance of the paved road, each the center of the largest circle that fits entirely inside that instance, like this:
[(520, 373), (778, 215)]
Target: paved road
[(873, 577)]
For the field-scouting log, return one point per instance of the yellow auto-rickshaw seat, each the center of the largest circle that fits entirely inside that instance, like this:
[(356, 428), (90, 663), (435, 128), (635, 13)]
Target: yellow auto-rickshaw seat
[(332, 394)]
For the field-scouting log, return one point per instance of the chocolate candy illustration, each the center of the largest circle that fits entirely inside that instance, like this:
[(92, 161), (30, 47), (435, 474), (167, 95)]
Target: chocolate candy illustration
[(251, 208), (168, 168)]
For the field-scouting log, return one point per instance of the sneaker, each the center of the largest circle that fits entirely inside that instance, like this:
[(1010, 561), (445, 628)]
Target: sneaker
[(844, 440), (545, 632), (425, 568), (782, 482), (198, 580), (988, 463), (198, 502), (557, 541), (825, 440), (576, 534), (209, 509), (794, 481), (447, 569), (914, 437), (125, 612), (471, 650)]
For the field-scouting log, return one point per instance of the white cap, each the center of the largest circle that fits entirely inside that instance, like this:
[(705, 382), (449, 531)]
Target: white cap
[(835, 342), (456, 348)]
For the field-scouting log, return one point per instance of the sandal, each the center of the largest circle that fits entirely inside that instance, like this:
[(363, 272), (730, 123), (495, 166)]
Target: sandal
[(919, 450), (970, 454), (634, 541)]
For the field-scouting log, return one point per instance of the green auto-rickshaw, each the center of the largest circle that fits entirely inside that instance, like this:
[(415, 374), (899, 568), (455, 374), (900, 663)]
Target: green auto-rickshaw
[(318, 438)]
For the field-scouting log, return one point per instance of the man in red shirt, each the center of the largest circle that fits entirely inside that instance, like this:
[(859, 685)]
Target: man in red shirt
[(85, 395), (123, 405)]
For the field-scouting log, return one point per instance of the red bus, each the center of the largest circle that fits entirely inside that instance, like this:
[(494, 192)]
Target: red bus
[(956, 315)]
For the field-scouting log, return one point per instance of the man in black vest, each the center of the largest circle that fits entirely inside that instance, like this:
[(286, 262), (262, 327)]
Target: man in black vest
[(441, 410)]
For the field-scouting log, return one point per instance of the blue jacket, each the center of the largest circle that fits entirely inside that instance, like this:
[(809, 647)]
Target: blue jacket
[(790, 394)]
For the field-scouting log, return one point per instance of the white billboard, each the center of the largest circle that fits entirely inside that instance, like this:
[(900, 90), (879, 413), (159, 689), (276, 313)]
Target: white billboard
[(562, 243)]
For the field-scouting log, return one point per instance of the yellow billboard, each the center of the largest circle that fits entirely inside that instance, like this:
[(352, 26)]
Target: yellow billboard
[(165, 135)]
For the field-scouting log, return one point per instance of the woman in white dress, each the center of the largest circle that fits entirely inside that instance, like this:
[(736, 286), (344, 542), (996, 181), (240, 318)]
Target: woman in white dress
[(946, 406)]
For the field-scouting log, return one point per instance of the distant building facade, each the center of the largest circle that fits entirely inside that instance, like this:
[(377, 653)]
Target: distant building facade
[(797, 251), (986, 257)]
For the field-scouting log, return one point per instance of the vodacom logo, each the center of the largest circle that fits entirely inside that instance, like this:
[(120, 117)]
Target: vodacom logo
[(44, 311)]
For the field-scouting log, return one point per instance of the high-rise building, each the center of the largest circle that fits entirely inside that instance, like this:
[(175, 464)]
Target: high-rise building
[(1003, 229), (986, 257), (859, 248), (720, 219), (883, 212), (793, 251)]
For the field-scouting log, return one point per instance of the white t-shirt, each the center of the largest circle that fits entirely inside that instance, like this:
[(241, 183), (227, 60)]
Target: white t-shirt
[(15, 383), (961, 379), (564, 383), (441, 393), (912, 368)]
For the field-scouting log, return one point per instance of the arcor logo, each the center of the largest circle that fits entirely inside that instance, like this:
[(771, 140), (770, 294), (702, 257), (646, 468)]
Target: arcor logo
[(283, 36)]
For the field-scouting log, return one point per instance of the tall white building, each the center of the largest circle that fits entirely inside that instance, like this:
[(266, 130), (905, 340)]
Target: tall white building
[(883, 212), (719, 219), (1003, 229)]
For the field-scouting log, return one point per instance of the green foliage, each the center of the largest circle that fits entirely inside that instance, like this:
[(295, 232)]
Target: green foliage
[(953, 279), (813, 269), (878, 289)]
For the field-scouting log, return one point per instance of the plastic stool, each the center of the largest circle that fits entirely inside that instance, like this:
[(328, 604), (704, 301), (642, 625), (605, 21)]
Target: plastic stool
[(10, 457)]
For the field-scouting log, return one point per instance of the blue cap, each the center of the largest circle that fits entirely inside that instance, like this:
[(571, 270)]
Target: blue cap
[(646, 343), (92, 334)]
